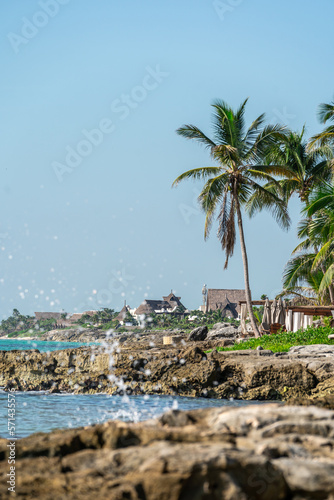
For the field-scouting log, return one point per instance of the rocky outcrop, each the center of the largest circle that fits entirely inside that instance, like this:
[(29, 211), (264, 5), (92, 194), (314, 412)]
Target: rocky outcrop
[(223, 330), (186, 370), (199, 333), (260, 452)]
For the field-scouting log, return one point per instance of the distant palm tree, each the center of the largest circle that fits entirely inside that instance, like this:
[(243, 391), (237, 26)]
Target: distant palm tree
[(301, 280), (313, 264), (321, 210), (325, 114), (240, 155), (306, 168)]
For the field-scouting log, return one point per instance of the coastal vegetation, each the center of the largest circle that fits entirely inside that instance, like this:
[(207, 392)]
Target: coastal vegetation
[(19, 325), (281, 342), (262, 168)]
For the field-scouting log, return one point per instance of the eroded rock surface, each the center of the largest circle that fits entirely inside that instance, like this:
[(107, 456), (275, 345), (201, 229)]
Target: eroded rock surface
[(260, 452), (186, 370)]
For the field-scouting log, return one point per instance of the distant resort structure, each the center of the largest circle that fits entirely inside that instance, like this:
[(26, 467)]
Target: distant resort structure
[(63, 319), (225, 300)]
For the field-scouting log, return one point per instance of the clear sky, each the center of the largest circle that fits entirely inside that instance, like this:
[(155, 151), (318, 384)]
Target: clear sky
[(91, 95)]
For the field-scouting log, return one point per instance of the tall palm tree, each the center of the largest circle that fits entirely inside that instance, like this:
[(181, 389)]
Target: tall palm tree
[(306, 168), (239, 153), (326, 137)]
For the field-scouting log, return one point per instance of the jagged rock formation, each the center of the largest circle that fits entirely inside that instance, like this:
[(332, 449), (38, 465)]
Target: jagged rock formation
[(303, 372), (252, 453)]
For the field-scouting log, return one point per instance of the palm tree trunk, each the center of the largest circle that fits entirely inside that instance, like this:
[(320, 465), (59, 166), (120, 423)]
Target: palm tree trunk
[(246, 273)]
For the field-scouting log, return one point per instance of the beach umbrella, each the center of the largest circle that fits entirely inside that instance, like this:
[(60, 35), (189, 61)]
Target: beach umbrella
[(280, 312), (308, 321), (289, 321), (266, 319), (273, 311), (298, 320)]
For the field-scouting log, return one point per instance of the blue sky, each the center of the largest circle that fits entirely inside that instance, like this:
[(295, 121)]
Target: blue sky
[(113, 81)]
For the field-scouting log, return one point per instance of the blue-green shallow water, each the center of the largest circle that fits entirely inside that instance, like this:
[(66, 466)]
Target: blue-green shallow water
[(42, 346), (41, 412)]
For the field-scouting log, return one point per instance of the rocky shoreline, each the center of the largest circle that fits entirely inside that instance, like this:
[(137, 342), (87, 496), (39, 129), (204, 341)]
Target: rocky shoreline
[(183, 369), (254, 453)]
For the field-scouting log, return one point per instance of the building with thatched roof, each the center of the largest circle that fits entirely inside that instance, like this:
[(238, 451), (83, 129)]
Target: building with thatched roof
[(167, 305), (225, 300), (122, 314), (62, 318), (48, 315)]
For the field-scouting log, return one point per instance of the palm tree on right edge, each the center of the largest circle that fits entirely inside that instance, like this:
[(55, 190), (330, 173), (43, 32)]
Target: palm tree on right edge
[(240, 154)]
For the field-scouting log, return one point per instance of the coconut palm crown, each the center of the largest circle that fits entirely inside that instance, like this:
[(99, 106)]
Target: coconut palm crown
[(306, 169), (237, 178)]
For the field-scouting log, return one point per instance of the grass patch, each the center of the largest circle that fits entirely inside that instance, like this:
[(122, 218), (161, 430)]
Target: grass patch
[(281, 342)]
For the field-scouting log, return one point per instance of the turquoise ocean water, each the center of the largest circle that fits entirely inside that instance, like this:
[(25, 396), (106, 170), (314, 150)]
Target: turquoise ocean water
[(42, 346)]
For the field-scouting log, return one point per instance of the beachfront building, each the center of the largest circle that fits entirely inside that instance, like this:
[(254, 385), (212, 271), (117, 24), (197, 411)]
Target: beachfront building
[(63, 319), (121, 317), (225, 300), (171, 304)]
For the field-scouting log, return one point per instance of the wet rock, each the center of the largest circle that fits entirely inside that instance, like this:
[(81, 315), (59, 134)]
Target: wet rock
[(199, 333)]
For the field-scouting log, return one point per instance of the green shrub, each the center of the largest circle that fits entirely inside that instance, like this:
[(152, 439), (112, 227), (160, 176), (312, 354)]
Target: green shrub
[(281, 342)]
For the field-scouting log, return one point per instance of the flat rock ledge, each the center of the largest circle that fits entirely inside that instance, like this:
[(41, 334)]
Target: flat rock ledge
[(259, 452), (304, 372)]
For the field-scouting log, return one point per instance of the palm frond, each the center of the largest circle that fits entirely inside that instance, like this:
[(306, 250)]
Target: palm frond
[(197, 173), (297, 270), (326, 112), (327, 279), (224, 123), (210, 197), (323, 138), (193, 132), (323, 253), (266, 199), (226, 230)]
